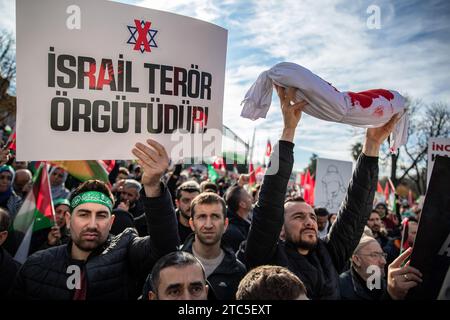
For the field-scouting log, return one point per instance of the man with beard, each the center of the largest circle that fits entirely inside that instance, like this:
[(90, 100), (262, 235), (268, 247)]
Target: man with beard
[(94, 265), (184, 195), (56, 235), (316, 262), (130, 202), (376, 225), (209, 222), (23, 182)]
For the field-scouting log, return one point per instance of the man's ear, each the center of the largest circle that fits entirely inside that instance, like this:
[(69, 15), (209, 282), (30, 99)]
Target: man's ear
[(113, 217), (356, 261), (191, 224), (225, 225), (3, 236), (152, 296), (282, 233), (67, 217)]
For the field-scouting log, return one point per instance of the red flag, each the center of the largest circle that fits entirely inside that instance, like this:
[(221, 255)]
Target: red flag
[(260, 170), (108, 164), (379, 188), (308, 188), (268, 148), (251, 171), (386, 192), (307, 177), (302, 179), (312, 192), (36, 212), (219, 164), (11, 143), (391, 184)]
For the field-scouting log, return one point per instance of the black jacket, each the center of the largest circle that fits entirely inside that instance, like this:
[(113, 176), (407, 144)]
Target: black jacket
[(115, 270), (319, 270), (237, 231), (353, 287), (225, 279), (183, 231), (8, 271)]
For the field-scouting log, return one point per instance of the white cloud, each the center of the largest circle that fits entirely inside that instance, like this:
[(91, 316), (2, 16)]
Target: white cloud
[(336, 44), (205, 10), (8, 16)]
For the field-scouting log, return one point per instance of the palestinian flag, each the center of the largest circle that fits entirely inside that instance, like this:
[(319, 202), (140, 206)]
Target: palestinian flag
[(85, 170), (36, 212), (11, 142), (212, 174)]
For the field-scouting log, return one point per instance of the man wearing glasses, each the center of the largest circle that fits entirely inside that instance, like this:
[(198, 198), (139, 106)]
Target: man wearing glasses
[(366, 278)]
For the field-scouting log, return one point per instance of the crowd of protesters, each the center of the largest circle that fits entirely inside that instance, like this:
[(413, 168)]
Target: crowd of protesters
[(172, 234)]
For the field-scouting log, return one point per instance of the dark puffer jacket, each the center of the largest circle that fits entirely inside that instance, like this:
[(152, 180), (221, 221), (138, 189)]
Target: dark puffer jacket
[(115, 270), (319, 270), (237, 231)]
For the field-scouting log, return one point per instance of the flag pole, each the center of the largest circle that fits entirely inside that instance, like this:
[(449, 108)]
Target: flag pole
[(49, 188)]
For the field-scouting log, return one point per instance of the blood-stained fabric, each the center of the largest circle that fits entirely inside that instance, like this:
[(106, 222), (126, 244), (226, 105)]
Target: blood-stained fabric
[(367, 109)]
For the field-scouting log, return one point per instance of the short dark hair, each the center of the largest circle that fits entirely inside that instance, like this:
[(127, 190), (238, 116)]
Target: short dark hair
[(173, 259), (206, 186), (93, 185), (381, 204), (375, 211), (294, 199), (208, 198), (188, 186), (233, 197), (5, 220), (321, 212), (270, 283), (123, 170)]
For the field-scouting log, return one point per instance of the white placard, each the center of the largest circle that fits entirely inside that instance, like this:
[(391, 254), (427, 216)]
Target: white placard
[(332, 178), (95, 77)]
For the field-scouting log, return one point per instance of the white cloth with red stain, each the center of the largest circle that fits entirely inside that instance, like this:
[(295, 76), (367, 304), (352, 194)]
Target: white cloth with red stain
[(367, 109)]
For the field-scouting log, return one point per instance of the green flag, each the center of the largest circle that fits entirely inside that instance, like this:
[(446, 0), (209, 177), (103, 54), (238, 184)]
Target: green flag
[(212, 174)]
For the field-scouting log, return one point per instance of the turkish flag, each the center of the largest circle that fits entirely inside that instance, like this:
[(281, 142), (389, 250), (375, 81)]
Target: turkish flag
[(251, 171)]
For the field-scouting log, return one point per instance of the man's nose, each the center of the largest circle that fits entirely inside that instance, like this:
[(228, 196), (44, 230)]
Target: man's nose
[(309, 222), (92, 222), (185, 295), (208, 223)]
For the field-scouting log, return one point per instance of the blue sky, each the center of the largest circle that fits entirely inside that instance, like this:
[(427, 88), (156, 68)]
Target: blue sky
[(409, 53)]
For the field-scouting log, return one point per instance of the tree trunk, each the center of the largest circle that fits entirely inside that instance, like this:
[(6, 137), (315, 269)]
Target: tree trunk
[(394, 158)]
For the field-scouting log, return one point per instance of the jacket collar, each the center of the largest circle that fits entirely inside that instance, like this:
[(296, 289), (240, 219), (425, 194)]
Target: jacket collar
[(228, 263)]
